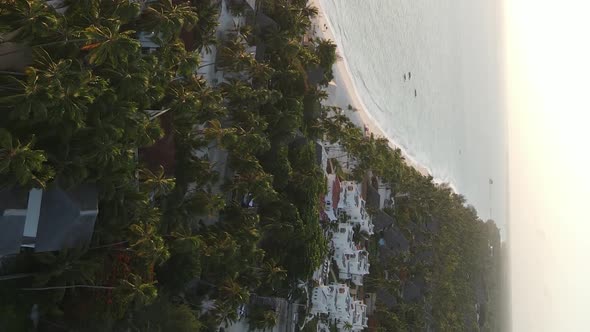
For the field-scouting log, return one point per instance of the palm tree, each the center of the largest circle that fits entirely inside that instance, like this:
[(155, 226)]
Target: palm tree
[(20, 164), (30, 101), (102, 150), (66, 269), (206, 26), (261, 72), (55, 91), (69, 266), (272, 274), (310, 11), (269, 320), (232, 55), (147, 242), (185, 100), (233, 291), (29, 18), (226, 312), (166, 20), (215, 131), (202, 202), (156, 183), (134, 82), (241, 33), (108, 44), (184, 242), (262, 319), (176, 60), (136, 291), (99, 12), (63, 88)]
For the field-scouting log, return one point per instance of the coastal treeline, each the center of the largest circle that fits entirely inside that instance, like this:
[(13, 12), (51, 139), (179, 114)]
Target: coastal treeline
[(182, 245), (454, 257)]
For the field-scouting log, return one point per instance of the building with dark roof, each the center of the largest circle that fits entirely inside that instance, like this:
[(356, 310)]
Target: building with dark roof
[(382, 220), (394, 240), (373, 197), (47, 220), (413, 291), (386, 298)]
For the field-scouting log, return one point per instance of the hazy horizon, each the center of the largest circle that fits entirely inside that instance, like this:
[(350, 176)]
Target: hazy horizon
[(546, 70)]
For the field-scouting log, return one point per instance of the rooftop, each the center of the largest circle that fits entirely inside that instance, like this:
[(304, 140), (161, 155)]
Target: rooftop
[(50, 220)]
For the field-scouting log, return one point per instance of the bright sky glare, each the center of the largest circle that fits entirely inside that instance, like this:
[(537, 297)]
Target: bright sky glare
[(547, 72)]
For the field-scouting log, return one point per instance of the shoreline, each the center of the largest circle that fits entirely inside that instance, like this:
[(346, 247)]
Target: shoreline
[(345, 93)]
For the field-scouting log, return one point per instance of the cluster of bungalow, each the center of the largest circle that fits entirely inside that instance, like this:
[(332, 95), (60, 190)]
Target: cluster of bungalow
[(345, 210), (336, 302)]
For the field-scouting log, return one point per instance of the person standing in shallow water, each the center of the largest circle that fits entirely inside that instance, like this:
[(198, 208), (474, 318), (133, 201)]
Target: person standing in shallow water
[(409, 75), (415, 93)]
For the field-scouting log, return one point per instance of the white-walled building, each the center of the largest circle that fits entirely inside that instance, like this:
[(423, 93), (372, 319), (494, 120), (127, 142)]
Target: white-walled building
[(352, 205), (333, 300), (322, 273), (385, 196), (354, 266), (332, 198), (358, 314), (353, 262), (336, 302), (342, 240), (337, 152), (229, 24)]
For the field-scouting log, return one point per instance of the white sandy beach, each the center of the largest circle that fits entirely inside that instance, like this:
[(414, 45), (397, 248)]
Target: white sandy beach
[(344, 93)]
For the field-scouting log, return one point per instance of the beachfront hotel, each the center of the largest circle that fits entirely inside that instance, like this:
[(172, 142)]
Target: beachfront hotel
[(336, 302), (352, 207)]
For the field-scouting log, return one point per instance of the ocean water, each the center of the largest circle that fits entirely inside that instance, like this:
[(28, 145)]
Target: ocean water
[(449, 115)]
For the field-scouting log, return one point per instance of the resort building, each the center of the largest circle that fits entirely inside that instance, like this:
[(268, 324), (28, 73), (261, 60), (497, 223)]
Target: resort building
[(46, 220), (322, 158), (147, 42), (353, 262), (336, 302), (359, 319), (353, 266), (332, 197), (342, 239), (338, 153), (351, 206), (322, 274), (333, 300), (378, 194)]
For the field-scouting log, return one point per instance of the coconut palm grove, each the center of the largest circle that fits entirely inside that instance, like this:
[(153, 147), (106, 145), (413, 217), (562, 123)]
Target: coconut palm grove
[(184, 139)]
